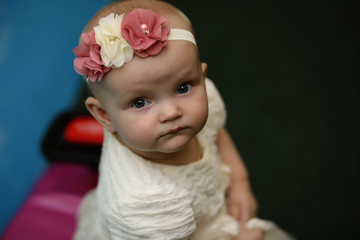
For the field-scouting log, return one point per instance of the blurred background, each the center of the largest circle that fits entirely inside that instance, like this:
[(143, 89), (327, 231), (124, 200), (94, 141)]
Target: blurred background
[(288, 72)]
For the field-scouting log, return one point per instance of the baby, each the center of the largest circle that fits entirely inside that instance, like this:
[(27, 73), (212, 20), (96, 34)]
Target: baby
[(167, 161)]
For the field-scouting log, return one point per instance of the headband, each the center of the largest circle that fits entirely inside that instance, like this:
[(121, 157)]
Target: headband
[(118, 37)]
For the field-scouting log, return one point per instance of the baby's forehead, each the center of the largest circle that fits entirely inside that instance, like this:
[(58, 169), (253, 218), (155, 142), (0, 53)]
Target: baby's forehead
[(157, 70), (175, 58)]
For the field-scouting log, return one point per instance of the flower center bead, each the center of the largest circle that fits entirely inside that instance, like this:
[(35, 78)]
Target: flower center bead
[(144, 28)]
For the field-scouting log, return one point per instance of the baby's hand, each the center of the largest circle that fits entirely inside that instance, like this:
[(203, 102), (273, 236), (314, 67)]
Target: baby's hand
[(249, 234), (241, 202)]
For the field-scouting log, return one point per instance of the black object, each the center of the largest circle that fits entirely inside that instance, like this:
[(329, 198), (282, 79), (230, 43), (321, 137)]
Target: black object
[(57, 149)]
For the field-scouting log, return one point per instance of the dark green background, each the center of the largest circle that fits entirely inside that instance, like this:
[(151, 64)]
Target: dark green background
[(288, 72)]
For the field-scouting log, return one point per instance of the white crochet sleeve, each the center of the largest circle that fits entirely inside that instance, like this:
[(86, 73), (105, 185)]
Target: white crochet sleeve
[(217, 111)]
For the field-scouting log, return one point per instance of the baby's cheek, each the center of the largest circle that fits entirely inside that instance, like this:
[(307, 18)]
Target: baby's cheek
[(140, 135), (200, 113)]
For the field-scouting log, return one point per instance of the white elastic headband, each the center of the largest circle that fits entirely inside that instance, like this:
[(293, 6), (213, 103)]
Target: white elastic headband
[(181, 34), (118, 38)]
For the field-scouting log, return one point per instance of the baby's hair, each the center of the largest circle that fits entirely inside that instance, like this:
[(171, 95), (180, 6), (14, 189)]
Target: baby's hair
[(175, 19)]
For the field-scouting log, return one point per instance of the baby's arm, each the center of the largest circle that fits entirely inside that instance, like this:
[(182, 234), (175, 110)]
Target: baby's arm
[(241, 201)]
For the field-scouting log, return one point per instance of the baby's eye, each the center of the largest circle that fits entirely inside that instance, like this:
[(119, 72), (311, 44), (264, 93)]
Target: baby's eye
[(184, 88), (140, 103)]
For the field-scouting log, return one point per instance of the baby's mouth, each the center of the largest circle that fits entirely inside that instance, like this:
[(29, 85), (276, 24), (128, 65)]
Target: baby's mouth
[(174, 130)]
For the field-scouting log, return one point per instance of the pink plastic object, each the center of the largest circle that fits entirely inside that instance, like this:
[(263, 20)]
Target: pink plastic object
[(50, 211)]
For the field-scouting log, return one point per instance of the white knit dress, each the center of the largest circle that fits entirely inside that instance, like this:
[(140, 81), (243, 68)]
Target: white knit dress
[(139, 199)]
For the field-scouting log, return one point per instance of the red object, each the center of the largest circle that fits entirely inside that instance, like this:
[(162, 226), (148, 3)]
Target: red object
[(50, 211), (84, 130)]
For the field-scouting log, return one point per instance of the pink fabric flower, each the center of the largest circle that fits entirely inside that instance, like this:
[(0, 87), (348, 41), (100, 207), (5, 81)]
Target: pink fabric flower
[(145, 32), (88, 62)]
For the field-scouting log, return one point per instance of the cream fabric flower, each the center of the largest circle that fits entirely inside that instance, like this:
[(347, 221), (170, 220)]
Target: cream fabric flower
[(115, 50)]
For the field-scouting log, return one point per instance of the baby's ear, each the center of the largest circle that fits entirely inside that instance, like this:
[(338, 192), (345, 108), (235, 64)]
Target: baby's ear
[(99, 113), (204, 69)]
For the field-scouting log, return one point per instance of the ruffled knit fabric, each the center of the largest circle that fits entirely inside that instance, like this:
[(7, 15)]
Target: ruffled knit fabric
[(139, 199)]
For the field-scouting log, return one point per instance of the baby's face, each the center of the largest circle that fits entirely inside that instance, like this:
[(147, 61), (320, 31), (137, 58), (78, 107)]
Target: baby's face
[(158, 104)]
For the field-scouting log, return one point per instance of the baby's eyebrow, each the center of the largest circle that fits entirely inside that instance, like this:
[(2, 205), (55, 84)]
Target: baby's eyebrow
[(132, 94)]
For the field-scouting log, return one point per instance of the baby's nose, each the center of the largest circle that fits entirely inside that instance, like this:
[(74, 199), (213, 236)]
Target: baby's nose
[(169, 111)]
